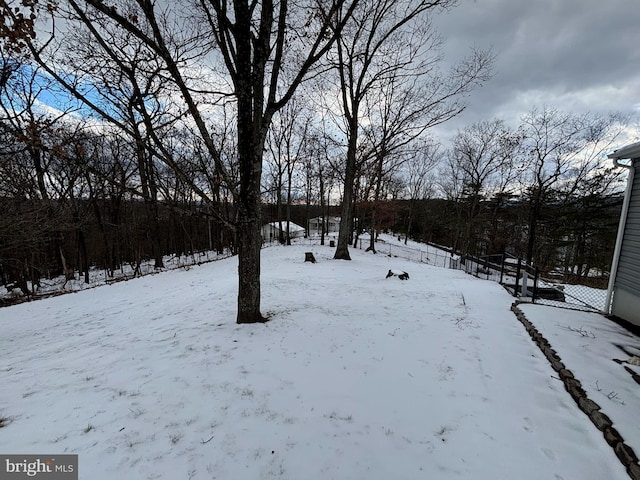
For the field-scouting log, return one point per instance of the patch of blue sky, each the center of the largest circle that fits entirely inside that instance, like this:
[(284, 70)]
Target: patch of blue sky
[(60, 98), (51, 96)]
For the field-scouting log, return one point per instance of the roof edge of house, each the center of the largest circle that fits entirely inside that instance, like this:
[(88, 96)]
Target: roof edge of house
[(631, 151)]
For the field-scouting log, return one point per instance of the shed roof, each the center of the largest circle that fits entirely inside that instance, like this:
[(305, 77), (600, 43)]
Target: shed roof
[(337, 219), (631, 151), (293, 227)]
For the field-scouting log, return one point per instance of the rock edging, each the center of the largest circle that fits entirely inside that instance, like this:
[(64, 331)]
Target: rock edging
[(624, 452)]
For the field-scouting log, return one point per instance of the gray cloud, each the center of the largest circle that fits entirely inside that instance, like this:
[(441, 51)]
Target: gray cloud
[(576, 55)]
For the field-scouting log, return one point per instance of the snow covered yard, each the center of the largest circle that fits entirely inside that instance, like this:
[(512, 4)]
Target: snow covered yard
[(597, 351), (355, 377)]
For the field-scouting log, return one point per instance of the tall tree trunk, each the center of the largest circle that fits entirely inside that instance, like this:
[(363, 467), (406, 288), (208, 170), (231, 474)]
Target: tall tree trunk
[(250, 123), (249, 245), (249, 242), (342, 249), (346, 220)]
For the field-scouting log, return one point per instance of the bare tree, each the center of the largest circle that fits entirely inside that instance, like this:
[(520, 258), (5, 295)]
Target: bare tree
[(417, 180), (386, 39), (561, 150), (109, 178), (396, 116), (255, 41), (320, 172), (37, 139), (17, 29), (483, 154), (286, 142)]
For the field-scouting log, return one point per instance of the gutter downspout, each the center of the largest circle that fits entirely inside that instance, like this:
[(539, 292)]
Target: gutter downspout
[(621, 226)]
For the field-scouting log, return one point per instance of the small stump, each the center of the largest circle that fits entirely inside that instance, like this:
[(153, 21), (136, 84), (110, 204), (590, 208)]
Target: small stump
[(401, 275), (308, 257)]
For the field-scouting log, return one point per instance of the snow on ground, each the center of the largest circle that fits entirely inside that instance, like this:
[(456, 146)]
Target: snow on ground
[(355, 377), (588, 343)]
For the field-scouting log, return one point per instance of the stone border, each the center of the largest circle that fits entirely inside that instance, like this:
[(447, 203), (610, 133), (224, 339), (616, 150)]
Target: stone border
[(624, 452)]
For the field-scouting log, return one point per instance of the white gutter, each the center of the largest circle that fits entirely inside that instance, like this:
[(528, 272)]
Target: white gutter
[(630, 152), (623, 153)]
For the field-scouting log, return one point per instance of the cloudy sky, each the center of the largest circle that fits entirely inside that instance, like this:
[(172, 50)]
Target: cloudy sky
[(575, 55)]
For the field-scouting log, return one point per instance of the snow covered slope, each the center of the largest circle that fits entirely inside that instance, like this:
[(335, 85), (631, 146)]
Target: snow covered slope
[(355, 377)]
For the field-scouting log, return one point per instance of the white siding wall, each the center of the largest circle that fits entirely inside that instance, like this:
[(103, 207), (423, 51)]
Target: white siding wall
[(626, 291)]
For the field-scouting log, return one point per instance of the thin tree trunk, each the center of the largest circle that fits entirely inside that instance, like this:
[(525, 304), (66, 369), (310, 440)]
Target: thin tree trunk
[(533, 222), (372, 231), (149, 193), (307, 208), (323, 217), (69, 273), (409, 220), (279, 208), (376, 199), (82, 248), (288, 207)]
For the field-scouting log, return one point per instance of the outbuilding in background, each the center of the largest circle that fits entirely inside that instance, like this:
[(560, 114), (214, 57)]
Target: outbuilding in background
[(271, 231)]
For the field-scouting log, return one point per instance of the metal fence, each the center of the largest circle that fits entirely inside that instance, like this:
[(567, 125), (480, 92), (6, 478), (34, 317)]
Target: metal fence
[(428, 254), (585, 292), (529, 283), (523, 281)]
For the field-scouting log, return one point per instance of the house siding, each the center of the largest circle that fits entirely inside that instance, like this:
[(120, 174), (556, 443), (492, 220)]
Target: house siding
[(315, 225), (271, 231), (626, 296)]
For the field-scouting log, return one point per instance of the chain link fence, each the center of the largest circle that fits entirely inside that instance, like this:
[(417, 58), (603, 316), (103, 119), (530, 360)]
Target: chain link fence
[(521, 280), (584, 292), (429, 254)]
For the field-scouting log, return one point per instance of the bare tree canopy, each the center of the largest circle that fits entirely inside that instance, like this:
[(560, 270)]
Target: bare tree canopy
[(391, 50), (188, 60), (562, 150)]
